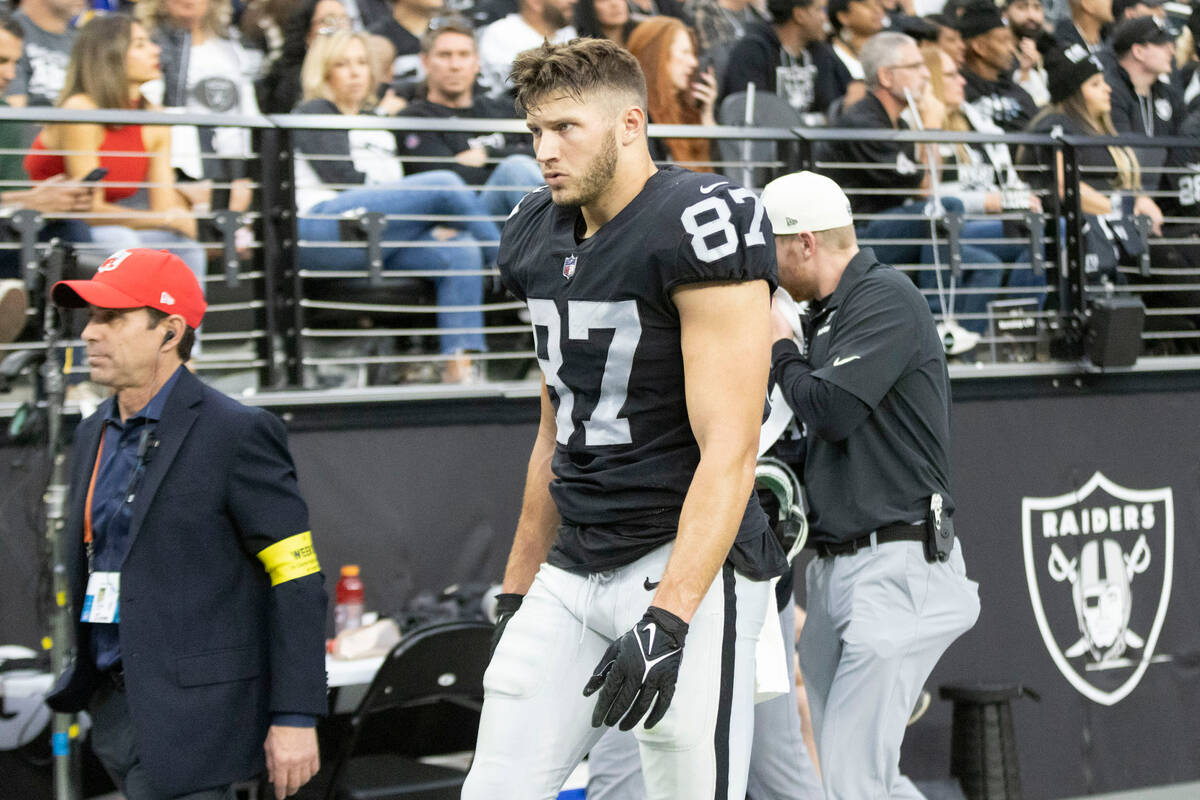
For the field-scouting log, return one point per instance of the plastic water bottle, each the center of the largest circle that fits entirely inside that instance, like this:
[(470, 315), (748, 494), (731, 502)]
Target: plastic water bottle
[(347, 613)]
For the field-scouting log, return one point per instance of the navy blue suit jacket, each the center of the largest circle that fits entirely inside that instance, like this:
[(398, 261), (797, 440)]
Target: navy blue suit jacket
[(210, 648)]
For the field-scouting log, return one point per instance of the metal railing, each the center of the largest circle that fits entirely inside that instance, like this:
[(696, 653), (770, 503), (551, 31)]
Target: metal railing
[(279, 326)]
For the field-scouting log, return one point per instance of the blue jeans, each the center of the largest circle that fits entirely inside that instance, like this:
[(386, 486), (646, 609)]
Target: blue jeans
[(919, 250), (440, 192), (518, 174), (1021, 277)]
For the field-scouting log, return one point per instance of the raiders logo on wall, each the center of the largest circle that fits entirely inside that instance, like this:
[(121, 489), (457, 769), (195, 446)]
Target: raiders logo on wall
[(1099, 564)]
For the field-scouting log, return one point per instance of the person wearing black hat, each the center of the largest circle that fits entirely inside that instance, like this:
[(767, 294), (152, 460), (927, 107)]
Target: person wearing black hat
[(1143, 101), (1085, 26), (991, 57), (789, 57), (1187, 77), (1132, 9), (1080, 105)]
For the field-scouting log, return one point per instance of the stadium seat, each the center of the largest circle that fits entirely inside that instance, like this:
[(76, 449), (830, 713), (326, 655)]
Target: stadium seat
[(425, 700)]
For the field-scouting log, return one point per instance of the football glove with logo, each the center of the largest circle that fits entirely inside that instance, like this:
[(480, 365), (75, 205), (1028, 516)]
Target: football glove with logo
[(638, 669), (506, 606)]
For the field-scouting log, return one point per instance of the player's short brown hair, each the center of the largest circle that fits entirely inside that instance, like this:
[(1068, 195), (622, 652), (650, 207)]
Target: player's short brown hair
[(577, 68)]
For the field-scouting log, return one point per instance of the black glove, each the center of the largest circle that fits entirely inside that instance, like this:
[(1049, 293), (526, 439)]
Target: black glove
[(506, 606), (639, 668)]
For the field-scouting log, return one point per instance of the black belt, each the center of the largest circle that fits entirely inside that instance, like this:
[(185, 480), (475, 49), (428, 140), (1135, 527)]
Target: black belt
[(888, 533), (116, 676)]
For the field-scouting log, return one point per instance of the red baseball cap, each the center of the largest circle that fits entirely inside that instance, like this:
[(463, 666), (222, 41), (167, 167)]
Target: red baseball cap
[(135, 279)]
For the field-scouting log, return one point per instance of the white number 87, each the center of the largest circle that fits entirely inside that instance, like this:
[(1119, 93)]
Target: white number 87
[(721, 225)]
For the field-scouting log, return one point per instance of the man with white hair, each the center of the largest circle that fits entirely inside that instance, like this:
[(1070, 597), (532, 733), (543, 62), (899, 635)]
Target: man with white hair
[(888, 592), (895, 71)]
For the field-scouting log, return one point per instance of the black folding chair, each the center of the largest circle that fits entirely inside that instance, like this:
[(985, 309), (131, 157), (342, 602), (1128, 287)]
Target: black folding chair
[(425, 700)]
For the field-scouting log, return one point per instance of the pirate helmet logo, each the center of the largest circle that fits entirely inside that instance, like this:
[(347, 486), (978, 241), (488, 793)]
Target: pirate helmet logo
[(1099, 564)]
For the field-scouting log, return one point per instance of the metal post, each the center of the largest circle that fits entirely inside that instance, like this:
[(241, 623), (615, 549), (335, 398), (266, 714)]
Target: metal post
[(281, 284), (1074, 297), (61, 639)]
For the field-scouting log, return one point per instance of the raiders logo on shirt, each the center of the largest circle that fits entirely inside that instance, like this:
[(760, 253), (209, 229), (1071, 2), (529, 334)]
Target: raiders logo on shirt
[(1162, 107), (217, 94)]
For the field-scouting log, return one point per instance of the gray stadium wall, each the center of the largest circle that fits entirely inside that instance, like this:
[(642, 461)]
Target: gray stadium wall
[(425, 495)]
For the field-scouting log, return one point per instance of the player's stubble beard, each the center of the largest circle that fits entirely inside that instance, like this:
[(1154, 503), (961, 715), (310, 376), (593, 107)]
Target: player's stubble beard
[(596, 178)]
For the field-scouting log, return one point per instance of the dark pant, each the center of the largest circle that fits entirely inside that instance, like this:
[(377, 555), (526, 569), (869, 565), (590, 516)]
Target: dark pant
[(113, 742)]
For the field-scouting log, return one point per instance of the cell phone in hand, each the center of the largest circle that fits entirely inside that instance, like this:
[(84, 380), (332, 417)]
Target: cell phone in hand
[(95, 175)]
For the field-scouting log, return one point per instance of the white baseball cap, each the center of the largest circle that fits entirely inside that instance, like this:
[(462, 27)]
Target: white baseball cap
[(805, 201)]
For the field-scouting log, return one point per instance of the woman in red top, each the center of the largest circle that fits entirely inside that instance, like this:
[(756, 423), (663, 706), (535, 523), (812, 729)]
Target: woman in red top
[(139, 206)]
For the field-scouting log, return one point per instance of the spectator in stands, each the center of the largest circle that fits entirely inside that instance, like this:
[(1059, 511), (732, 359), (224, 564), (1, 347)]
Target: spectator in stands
[(895, 70), (949, 39), (789, 57), (604, 19), (49, 35), (895, 66), (1080, 105), (642, 10), (1180, 204), (205, 71), (1085, 25), (721, 23), (990, 60), (1144, 103), (1187, 58), (403, 28), (337, 80), (501, 163), (676, 93), (112, 58), (1132, 9), (52, 196), (980, 176), (279, 91), (1027, 20), (535, 21), (983, 177), (854, 21)]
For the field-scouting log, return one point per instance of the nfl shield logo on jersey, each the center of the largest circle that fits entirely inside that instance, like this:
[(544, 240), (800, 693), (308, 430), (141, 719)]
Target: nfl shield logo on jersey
[(1099, 562), (569, 266)]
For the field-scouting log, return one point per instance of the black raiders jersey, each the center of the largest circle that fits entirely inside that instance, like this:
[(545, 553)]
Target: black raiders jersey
[(607, 337), (1182, 182)]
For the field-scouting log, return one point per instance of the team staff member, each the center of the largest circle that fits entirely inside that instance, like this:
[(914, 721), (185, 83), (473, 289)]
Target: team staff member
[(199, 602), (640, 571), (874, 394)]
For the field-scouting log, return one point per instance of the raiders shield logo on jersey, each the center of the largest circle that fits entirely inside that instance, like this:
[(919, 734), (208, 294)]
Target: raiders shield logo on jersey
[(1099, 562)]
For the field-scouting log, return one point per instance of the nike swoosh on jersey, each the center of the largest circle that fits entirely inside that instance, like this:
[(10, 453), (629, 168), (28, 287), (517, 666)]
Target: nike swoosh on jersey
[(837, 362), (650, 585), (711, 186)]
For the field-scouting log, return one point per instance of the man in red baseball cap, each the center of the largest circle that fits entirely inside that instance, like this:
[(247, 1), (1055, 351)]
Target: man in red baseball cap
[(200, 603), (127, 357)]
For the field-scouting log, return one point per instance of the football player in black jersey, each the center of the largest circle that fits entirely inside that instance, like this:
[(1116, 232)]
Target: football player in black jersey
[(638, 581)]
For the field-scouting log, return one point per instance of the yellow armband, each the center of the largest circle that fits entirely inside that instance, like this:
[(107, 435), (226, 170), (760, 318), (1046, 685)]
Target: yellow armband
[(290, 558)]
